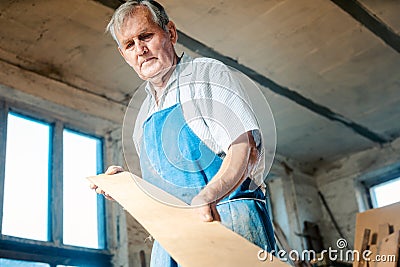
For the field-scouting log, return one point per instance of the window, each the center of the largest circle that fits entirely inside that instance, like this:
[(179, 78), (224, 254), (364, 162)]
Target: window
[(16, 263), (26, 179), (379, 188), (80, 159), (48, 214), (385, 193)]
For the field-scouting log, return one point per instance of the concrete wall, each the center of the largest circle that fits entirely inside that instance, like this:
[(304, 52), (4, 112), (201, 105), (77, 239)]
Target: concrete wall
[(339, 183), (294, 198)]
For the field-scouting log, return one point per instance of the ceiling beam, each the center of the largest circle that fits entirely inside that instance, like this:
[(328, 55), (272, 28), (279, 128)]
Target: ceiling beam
[(321, 110), (370, 21), (114, 4)]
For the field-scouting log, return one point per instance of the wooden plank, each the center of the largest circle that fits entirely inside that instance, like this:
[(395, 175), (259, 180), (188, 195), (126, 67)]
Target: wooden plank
[(371, 219), (191, 242), (389, 246), (364, 245), (142, 258), (374, 252), (383, 231)]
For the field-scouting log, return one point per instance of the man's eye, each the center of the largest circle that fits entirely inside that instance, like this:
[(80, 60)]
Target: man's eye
[(147, 37), (129, 45)]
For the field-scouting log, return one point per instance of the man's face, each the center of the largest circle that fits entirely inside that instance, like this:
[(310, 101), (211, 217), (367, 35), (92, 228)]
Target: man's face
[(145, 46)]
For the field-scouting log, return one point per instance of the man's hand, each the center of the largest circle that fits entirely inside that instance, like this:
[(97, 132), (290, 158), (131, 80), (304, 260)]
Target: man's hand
[(110, 171), (207, 212), (235, 168)]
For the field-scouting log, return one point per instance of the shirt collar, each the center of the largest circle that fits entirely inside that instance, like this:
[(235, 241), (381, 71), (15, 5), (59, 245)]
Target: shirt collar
[(184, 67)]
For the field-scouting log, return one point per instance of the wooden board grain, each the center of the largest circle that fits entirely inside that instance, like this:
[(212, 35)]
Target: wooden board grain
[(389, 246), (191, 242), (375, 220)]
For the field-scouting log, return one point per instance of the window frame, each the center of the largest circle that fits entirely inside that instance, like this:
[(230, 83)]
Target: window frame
[(53, 252), (372, 179), (373, 199)]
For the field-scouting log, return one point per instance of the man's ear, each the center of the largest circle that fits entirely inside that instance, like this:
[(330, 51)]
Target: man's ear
[(173, 34), (120, 51)]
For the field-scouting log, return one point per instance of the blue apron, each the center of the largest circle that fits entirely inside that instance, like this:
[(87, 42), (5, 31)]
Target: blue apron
[(174, 159)]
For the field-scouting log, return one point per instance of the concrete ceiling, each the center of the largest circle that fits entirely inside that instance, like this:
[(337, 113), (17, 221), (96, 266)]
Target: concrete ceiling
[(331, 78)]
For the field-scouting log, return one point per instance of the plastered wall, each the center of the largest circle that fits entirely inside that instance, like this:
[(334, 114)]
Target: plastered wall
[(136, 237), (294, 199), (339, 183)]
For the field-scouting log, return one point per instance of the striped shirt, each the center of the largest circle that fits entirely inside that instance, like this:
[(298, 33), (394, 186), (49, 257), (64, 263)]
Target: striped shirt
[(214, 105)]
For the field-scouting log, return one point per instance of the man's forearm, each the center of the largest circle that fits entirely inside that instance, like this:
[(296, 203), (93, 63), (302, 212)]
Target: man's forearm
[(233, 171)]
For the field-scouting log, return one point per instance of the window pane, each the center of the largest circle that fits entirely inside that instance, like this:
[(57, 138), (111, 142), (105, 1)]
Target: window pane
[(25, 211), (15, 263), (386, 193), (80, 202)]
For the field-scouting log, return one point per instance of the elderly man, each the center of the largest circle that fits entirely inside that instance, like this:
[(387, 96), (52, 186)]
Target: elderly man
[(195, 133)]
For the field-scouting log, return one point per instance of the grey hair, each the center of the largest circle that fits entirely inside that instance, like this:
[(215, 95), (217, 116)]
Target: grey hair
[(126, 10)]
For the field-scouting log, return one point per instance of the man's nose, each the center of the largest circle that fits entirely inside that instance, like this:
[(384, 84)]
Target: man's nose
[(141, 48)]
